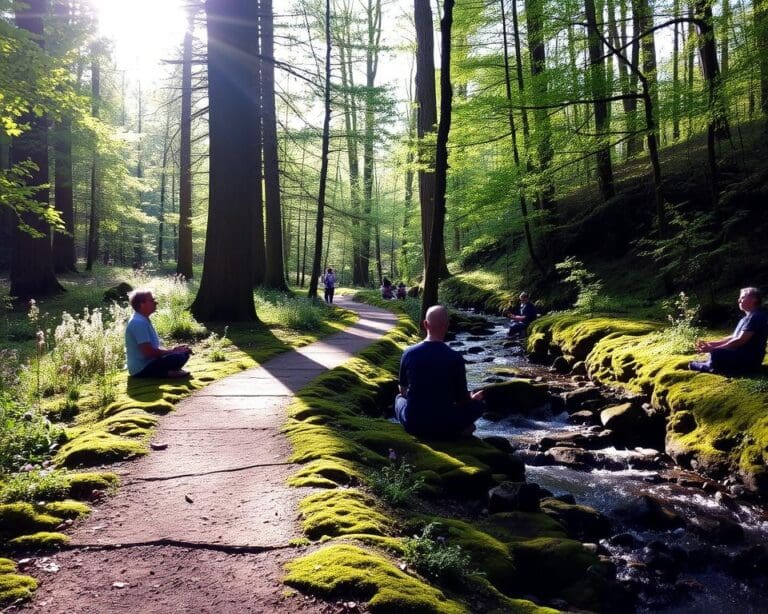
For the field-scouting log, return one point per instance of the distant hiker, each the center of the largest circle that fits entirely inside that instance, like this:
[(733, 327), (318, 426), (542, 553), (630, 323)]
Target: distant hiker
[(145, 356), (387, 290), (401, 291), (742, 350), (433, 399), (522, 316), (329, 281)]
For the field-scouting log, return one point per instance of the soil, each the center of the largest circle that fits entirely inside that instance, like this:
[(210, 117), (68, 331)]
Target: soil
[(204, 524)]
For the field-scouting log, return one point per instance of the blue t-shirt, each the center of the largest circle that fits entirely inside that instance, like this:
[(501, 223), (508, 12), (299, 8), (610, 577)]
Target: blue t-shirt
[(436, 380), (755, 322), (139, 330), (528, 311)]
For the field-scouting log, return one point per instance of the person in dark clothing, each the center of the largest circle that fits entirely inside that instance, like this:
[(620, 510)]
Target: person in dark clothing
[(526, 313), (744, 349), (434, 401), (387, 290), (329, 282)]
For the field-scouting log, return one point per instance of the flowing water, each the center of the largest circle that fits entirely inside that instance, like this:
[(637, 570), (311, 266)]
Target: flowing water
[(673, 571)]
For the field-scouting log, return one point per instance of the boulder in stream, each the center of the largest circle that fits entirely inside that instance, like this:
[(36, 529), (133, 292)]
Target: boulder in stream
[(515, 396), (513, 497), (647, 512), (580, 521)]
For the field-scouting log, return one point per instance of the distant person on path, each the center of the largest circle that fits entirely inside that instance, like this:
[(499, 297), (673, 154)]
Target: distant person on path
[(744, 349), (526, 313), (401, 291), (433, 400), (329, 281), (387, 290), (145, 356)]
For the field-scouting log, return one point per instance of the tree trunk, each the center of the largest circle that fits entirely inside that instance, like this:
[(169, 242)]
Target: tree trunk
[(325, 146), (676, 74), (184, 257), (259, 246), (273, 276), (226, 285), (64, 257), (92, 252), (515, 152), (599, 92), (718, 123), (432, 273), (32, 258)]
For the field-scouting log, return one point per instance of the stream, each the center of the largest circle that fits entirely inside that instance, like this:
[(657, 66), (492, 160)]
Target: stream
[(711, 558)]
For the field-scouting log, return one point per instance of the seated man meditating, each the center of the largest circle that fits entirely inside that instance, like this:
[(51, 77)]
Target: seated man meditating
[(526, 313), (744, 349), (145, 356), (433, 399)]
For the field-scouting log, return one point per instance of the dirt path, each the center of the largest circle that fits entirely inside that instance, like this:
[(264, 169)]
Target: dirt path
[(204, 525)]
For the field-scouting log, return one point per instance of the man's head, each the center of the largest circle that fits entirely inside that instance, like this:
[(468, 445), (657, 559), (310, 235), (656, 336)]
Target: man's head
[(523, 297), (143, 302), (750, 299), (436, 323)]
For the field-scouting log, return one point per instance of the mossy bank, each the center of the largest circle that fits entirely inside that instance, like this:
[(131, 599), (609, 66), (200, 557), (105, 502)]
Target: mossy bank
[(361, 547), (714, 424)]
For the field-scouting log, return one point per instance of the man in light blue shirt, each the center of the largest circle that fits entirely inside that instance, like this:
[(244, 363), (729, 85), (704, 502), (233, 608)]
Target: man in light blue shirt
[(145, 356)]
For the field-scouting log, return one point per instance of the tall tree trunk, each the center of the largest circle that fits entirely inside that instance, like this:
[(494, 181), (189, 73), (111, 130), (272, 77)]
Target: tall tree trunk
[(64, 257), (635, 141), (599, 92), (259, 245), (184, 257), (92, 251), (676, 73), (432, 273), (644, 19), (725, 39), (226, 285), (163, 182), (325, 146), (32, 258), (426, 99), (273, 277), (537, 49), (718, 123), (513, 134)]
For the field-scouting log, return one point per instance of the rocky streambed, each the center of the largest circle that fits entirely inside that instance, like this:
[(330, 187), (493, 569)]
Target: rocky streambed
[(680, 542)]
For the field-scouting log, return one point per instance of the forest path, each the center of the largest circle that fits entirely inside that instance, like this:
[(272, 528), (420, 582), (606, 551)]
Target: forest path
[(205, 524)]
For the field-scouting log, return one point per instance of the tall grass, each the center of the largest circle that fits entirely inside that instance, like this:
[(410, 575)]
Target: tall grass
[(299, 313)]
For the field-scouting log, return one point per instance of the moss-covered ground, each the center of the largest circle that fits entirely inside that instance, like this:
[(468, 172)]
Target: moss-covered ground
[(357, 540), (715, 423)]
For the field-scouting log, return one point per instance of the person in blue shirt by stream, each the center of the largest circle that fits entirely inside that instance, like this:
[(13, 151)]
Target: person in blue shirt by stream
[(744, 349)]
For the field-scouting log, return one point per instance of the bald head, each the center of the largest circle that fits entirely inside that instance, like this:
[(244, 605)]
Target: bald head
[(436, 323)]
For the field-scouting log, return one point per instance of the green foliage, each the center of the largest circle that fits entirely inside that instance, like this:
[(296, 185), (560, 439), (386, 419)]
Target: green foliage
[(680, 337), (396, 483), (36, 485), (430, 553), (216, 346), (588, 286), (25, 435), (298, 313)]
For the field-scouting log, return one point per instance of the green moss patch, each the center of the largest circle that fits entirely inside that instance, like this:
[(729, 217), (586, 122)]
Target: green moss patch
[(67, 509), (43, 540), (98, 447), (19, 518), (335, 513), (345, 571), (14, 587), (81, 485)]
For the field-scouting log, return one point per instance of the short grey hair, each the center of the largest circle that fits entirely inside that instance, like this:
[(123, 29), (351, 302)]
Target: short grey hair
[(137, 297), (752, 291), (523, 295)]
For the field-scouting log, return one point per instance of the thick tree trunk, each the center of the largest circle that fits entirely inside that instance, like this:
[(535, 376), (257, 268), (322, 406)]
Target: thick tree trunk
[(273, 276), (64, 256), (184, 257), (32, 258), (259, 245), (599, 92), (226, 285), (432, 273)]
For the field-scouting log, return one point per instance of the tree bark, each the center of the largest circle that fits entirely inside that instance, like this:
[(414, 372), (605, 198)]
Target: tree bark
[(92, 252), (32, 258), (259, 245), (184, 251), (226, 285), (432, 272), (273, 276)]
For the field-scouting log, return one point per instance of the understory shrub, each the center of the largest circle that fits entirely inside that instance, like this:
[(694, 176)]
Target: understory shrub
[(433, 557), (395, 483), (25, 435), (299, 313), (680, 337), (33, 486)]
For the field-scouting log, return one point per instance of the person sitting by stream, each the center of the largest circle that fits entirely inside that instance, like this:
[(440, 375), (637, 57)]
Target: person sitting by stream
[(401, 292), (145, 356), (744, 349), (387, 290), (434, 401), (525, 314)]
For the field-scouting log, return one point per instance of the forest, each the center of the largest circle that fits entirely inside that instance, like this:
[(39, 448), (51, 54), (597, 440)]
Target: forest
[(610, 157)]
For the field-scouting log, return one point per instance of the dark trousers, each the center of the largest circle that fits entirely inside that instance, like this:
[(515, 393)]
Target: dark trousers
[(329, 295), (517, 328), (725, 360), (161, 366), (449, 424)]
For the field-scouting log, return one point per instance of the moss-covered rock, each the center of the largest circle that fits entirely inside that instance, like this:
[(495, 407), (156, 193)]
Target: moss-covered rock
[(19, 518), (518, 396), (344, 571), (67, 509), (42, 540), (98, 447), (82, 485), (13, 586), (335, 513), (581, 522)]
